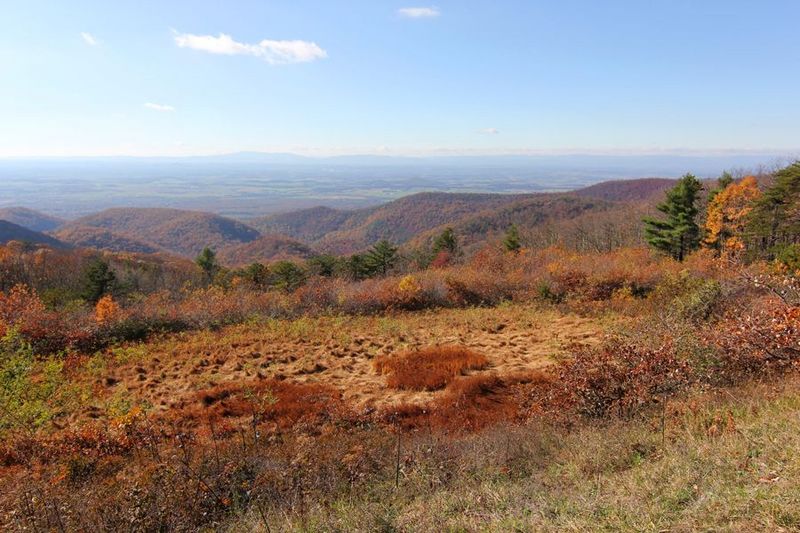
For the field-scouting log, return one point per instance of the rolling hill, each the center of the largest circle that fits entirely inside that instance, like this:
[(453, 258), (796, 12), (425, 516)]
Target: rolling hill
[(525, 213), (264, 249), (414, 218), (14, 232), (103, 239), (31, 219), (310, 224), (627, 190), (178, 231), (338, 231)]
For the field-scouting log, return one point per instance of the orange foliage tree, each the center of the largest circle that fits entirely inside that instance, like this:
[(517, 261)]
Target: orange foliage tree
[(106, 310), (728, 213)]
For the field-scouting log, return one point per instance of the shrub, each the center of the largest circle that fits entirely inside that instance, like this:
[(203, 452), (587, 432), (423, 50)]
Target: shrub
[(106, 310), (617, 376), (26, 386), (758, 341), (428, 369)]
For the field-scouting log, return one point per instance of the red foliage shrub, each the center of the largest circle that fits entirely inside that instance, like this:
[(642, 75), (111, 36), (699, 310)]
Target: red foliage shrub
[(616, 376), (763, 339), (428, 369), (47, 331)]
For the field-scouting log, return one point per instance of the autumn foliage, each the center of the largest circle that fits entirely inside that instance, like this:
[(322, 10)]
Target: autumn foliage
[(728, 214)]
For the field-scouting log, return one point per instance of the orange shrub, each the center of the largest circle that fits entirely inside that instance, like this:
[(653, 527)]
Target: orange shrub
[(106, 310), (428, 369)]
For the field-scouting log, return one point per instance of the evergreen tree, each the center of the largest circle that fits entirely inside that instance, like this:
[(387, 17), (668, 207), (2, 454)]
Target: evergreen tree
[(256, 274), (446, 241), (381, 258), (678, 234), (207, 261), (775, 220), (287, 276), (324, 265), (356, 267), (511, 241), (98, 280)]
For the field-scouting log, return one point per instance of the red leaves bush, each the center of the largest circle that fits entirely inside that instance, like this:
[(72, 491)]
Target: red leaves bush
[(616, 378), (761, 340)]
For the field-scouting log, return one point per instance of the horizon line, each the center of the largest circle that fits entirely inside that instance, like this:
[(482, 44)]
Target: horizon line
[(793, 153)]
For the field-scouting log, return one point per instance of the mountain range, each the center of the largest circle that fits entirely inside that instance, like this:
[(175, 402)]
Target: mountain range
[(412, 221)]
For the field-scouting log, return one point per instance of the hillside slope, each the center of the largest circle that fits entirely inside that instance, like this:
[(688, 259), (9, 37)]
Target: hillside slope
[(14, 232), (31, 219), (103, 239), (264, 249), (403, 219), (175, 230), (627, 190), (413, 218), (526, 214), (310, 224)]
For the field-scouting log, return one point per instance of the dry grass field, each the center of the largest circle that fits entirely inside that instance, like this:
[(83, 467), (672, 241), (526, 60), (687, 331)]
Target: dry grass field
[(339, 352)]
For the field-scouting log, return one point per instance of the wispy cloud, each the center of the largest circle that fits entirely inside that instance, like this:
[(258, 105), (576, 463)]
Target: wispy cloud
[(419, 12), (88, 38), (489, 131), (159, 107), (271, 51)]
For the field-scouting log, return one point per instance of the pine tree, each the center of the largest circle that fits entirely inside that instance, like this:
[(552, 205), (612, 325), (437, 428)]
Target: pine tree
[(287, 276), (356, 267), (98, 280), (257, 275), (678, 234), (511, 241), (381, 258), (775, 220), (446, 241), (324, 265), (207, 261)]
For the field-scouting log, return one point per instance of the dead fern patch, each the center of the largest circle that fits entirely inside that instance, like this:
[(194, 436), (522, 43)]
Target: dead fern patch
[(428, 369)]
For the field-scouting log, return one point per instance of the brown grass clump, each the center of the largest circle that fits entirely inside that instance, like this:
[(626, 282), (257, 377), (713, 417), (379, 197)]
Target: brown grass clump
[(429, 369), (473, 402), (281, 403)]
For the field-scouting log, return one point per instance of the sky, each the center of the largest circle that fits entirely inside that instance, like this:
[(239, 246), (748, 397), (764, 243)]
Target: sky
[(392, 77)]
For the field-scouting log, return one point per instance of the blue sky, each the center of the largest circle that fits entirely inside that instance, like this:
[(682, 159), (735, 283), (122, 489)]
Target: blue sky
[(329, 77)]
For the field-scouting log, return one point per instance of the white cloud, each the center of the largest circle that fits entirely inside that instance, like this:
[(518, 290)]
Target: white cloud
[(273, 52), (159, 107), (489, 131), (419, 12), (88, 38)]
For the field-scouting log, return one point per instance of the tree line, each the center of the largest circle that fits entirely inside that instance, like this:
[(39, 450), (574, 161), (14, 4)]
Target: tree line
[(736, 217)]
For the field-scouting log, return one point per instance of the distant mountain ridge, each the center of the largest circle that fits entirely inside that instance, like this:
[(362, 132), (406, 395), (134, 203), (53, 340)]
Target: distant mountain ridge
[(409, 221), (14, 232), (104, 239), (182, 232), (30, 218)]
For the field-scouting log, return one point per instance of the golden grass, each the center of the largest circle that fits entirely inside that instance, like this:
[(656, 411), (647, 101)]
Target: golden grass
[(429, 369)]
